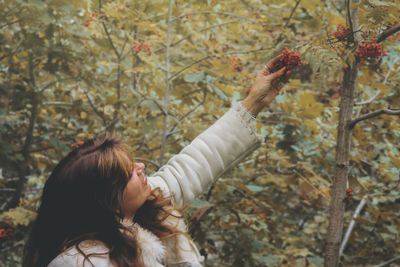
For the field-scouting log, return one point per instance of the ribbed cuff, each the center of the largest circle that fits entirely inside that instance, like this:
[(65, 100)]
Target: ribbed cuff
[(247, 119)]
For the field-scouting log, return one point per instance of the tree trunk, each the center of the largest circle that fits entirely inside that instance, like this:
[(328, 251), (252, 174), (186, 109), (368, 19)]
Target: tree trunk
[(337, 205)]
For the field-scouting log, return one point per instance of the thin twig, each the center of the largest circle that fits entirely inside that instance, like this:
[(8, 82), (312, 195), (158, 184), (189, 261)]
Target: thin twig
[(374, 114), (367, 101), (191, 111), (200, 30), (95, 110), (167, 81), (23, 169), (188, 67), (389, 71), (352, 224), (10, 23), (292, 13), (230, 14), (351, 27), (212, 56), (386, 263), (108, 35)]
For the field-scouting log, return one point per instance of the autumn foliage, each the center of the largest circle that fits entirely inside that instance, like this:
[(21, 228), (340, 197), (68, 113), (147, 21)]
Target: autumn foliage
[(70, 70)]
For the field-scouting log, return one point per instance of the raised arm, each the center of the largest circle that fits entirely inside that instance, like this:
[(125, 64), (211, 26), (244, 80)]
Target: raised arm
[(216, 150), (224, 144)]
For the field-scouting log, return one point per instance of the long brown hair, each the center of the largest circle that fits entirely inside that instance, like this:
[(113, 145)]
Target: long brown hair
[(81, 201)]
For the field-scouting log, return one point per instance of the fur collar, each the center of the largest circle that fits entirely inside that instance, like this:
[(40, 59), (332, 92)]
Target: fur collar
[(152, 249)]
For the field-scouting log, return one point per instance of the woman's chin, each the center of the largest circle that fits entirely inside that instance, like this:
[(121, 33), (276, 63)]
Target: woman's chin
[(148, 190)]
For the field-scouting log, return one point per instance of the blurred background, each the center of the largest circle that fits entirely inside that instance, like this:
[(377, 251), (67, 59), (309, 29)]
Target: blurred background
[(70, 70)]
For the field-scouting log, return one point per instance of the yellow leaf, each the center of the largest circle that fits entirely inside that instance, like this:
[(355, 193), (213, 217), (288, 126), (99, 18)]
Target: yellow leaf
[(313, 126), (18, 216), (302, 252), (395, 159), (381, 87), (83, 115), (335, 20), (309, 107), (310, 5), (228, 89), (293, 84), (138, 69)]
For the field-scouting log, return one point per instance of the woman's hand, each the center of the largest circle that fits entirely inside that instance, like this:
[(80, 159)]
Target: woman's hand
[(266, 86)]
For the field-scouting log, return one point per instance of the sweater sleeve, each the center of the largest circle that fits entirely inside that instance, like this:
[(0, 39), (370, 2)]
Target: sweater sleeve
[(211, 154)]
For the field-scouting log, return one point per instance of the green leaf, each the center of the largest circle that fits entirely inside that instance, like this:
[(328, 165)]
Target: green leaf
[(198, 203), (194, 77), (269, 260), (255, 188)]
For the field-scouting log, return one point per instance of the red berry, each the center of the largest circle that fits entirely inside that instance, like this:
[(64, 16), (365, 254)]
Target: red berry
[(146, 47), (137, 47), (290, 59), (236, 63), (87, 22), (370, 50), (341, 33), (3, 232), (349, 193), (349, 190)]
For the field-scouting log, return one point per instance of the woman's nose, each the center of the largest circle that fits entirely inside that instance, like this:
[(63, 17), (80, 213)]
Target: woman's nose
[(140, 166)]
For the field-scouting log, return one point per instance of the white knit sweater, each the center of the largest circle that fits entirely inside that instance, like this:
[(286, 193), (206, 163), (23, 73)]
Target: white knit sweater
[(185, 176)]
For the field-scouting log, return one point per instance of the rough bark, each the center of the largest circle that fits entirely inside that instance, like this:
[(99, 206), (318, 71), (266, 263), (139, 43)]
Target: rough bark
[(341, 172)]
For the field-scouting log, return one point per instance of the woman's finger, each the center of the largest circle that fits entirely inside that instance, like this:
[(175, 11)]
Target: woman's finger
[(278, 74), (286, 77), (270, 64)]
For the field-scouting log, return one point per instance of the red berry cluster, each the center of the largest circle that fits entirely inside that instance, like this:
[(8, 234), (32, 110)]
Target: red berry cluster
[(139, 46), (289, 58), (188, 15), (5, 232), (341, 33), (349, 193), (93, 16), (370, 50), (236, 63), (89, 20)]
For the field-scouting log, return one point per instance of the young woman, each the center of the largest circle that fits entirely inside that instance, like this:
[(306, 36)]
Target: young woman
[(98, 208)]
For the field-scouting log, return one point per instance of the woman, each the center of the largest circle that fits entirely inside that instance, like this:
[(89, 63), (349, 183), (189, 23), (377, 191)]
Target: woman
[(99, 209)]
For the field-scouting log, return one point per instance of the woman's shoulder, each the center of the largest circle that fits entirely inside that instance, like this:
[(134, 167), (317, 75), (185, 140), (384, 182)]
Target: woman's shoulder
[(96, 251)]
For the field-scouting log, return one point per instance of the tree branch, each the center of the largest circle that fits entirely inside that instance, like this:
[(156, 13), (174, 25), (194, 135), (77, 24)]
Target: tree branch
[(384, 35), (167, 81), (23, 168), (189, 66), (10, 23), (374, 114), (386, 263), (108, 35), (191, 111), (212, 56), (201, 30), (117, 104), (95, 110), (367, 101), (229, 14), (292, 13), (352, 224)]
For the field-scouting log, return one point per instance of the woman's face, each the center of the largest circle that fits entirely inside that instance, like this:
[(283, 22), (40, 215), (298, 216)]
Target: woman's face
[(136, 191)]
